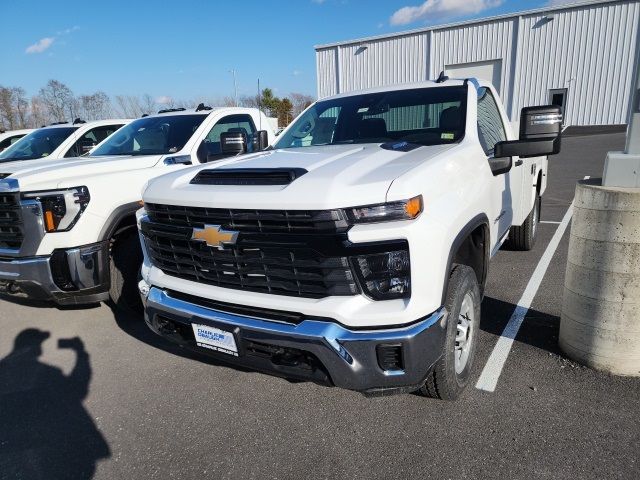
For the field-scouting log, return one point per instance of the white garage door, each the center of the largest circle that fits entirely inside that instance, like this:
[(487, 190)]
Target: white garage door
[(489, 70)]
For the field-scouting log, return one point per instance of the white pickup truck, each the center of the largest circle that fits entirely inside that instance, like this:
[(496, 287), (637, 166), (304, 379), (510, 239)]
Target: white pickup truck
[(67, 227), (12, 136), (355, 251), (61, 140)]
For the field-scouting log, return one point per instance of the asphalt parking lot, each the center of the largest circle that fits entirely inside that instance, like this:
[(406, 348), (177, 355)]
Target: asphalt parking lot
[(135, 406)]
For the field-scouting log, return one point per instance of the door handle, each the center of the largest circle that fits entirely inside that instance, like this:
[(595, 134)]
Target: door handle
[(519, 162)]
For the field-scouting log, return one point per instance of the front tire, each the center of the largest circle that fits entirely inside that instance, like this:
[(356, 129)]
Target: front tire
[(126, 259), (450, 375), (523, 238)]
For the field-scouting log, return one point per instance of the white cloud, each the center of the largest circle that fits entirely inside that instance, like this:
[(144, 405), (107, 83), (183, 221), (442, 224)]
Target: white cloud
[(319, 2), (41, 45), (440, 9), (296, 73), (164, 100), (67, 31)]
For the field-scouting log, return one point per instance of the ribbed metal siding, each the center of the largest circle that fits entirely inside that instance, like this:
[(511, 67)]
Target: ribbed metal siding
[(475, 43), (326, 61), (384, 62), (593, 44), (589, 51)]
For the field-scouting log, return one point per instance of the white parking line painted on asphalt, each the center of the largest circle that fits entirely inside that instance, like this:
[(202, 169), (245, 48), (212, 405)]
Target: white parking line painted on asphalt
[(493, 368)]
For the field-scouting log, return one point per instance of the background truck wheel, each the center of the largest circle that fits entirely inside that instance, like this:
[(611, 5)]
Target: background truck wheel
[(450, 374), (126, 258), (524, 237)]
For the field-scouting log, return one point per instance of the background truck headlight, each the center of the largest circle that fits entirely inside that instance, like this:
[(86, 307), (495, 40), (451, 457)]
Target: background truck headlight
[(62, 208)]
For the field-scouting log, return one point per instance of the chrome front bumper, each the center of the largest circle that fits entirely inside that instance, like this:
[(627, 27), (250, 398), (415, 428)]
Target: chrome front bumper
[(85, 268), (345, 358)]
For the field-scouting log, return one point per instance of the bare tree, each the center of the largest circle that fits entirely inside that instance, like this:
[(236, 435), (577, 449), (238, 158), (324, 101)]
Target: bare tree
[(149, 105), (7, 115), (130, 106), (39, 113), (59, 100), (95, 106), (300, 101)]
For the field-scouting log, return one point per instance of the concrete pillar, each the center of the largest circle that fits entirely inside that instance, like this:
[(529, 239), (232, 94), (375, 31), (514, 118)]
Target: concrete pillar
[(600, 324)]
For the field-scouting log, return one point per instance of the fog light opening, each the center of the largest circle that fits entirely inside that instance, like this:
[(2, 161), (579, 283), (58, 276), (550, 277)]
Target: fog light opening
[(390, 357)]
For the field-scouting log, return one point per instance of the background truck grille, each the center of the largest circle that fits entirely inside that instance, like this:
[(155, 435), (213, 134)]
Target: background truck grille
[(11, 232), (277, 252)]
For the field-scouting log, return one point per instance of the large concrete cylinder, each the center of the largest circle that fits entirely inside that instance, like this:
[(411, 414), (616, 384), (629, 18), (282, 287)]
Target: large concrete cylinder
[(600, 324)]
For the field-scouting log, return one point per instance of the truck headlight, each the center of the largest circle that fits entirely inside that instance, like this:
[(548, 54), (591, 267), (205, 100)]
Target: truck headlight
[(61, 208), (386, 212), (385, 276)]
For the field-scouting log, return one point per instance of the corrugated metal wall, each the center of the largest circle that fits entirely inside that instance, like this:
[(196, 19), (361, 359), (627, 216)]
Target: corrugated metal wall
[(588, 49), (475, 43), (590, 52)]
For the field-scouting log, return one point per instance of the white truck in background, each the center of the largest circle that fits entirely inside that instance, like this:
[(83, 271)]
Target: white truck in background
[(355, 251), (9, 137), (67, 227), (61, 140)]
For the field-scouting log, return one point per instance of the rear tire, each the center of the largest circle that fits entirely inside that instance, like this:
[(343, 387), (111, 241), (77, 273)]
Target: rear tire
[(126, 259), (450, 375), (523, 238)]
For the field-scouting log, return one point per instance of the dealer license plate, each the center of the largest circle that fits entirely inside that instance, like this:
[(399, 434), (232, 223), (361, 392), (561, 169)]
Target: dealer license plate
[(215, 339)]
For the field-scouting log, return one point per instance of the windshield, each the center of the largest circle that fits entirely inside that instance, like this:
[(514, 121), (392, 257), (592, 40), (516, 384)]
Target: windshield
[(425, 116), (38, 144), (151, 136)]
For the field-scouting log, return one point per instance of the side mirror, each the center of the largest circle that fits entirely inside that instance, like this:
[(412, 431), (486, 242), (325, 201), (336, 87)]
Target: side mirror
[(233, 143), (500, 165), (85, 146), (540, 133), (260, 141)]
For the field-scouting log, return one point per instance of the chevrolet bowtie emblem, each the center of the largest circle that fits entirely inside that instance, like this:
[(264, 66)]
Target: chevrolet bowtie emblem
[(215, 236)]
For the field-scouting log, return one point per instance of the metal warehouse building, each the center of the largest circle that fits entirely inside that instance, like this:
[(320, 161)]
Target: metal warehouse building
[(582, 56)]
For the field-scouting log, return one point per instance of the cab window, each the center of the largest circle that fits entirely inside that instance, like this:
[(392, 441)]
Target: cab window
[(490, 126), (90, 139)]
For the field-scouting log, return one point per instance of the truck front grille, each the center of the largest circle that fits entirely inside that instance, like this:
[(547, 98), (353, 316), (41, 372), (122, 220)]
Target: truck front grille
[(296, 253), (11, 230)]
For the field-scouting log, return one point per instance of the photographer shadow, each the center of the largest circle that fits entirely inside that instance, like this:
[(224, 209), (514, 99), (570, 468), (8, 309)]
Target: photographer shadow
[(45, 431)]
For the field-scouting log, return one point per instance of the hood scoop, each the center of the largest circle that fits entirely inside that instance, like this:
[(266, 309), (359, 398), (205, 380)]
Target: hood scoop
[(248, 176)]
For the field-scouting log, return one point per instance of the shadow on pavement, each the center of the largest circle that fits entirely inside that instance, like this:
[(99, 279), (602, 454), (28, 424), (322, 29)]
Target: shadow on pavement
[(45, 431), (539, 329)]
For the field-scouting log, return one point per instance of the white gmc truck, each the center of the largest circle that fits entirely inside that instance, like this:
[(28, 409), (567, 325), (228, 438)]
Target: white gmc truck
[(354, 252), (67, 227)]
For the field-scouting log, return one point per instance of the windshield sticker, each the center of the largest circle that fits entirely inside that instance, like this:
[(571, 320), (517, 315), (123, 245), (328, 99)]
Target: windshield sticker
[(363, 109), (447, 136)]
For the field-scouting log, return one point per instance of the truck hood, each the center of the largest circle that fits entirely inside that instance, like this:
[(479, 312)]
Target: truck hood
[(337, 176), (46, 174)]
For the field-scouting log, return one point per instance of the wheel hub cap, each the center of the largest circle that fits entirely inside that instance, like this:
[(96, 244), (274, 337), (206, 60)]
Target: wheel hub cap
[(464, 333)]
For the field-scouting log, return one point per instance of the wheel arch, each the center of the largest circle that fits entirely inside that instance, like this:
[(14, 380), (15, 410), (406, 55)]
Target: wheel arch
[(471, 247), (122, 219)]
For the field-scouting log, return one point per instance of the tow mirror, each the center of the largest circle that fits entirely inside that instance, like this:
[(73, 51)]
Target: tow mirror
[(233, 143), (540, 133), (85, 146), (260, 141)]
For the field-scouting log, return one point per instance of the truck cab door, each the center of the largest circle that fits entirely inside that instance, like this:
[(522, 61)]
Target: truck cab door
[(506, 173)]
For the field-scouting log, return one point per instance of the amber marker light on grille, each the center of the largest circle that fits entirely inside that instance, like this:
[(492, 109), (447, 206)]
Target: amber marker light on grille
[(49, 222)]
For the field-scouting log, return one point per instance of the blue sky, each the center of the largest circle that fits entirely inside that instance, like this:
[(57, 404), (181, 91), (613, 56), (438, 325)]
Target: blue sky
[(185, 49)]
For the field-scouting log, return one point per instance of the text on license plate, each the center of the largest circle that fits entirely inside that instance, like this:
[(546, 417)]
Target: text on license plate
[(215, 339)]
